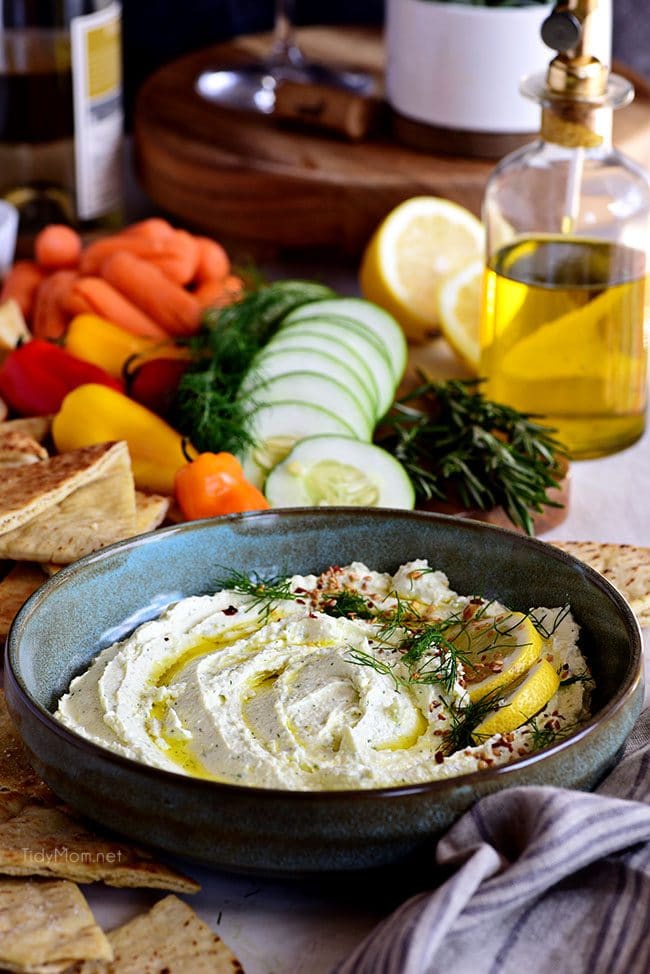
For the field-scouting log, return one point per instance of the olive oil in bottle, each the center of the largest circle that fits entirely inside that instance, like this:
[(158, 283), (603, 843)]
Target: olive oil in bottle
[(567, 218), (562, 335), (61, 114)]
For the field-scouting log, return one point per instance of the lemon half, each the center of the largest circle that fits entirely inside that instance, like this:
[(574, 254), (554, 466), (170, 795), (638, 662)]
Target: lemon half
[(420, 243), (530, 695)]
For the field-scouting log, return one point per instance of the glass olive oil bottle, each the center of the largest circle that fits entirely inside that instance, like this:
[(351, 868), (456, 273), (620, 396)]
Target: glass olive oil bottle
[(61, 116), (566, 308)]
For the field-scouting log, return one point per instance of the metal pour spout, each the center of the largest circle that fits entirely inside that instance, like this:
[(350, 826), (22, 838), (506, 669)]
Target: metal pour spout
[(571, 30)]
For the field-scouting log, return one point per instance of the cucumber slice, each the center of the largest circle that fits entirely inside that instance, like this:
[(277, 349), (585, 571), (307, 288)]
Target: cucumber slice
[(269, 363), (331, 346), (373, 317), (322, 471), (276, 428), (319, 390), (355, 338)]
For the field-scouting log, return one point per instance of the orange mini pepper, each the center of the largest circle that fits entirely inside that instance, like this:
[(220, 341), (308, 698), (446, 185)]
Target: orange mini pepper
[(214, 484)]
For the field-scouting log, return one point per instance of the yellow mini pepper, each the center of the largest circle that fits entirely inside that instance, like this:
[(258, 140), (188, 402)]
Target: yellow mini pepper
[(99, 341), (95, 414)]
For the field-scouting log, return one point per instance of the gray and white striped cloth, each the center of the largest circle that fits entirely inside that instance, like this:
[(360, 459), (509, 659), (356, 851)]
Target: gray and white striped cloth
[(548, 881)]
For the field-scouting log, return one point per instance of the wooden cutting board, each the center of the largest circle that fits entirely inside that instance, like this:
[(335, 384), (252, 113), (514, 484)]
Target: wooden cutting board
[(246, 178)]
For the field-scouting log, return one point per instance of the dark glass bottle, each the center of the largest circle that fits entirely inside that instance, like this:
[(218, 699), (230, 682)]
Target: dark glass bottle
[(61, 117)]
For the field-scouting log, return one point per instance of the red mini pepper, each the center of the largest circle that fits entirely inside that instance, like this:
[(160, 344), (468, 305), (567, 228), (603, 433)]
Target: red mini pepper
[(215, 484), (36, 377)]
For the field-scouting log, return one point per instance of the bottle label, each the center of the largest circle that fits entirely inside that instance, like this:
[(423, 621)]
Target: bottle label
[(98, 114)]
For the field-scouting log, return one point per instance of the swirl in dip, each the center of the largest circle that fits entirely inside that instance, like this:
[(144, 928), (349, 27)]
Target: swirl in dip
[(350, 679)]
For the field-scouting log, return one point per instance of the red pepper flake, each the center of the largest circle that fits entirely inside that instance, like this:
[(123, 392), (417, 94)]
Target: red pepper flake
[(300, 601), (439, 757), (230, 611), (441, 717)]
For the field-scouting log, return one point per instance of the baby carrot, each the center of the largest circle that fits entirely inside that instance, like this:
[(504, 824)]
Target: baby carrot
[(176, 311), (57, 247), (213, 262), (219, 293), (155, 229), (178, 258), (97, 296), (50, 317), (21, 283), (97, 252), (176, 255)]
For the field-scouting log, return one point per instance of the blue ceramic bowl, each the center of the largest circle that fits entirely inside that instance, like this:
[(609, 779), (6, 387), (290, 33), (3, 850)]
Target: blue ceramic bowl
[(105, 595)]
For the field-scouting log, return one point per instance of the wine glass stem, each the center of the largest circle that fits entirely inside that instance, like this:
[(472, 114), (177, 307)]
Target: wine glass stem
[(285, 50)]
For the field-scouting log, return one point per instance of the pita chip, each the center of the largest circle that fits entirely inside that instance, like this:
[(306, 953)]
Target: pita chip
[(68, 505), (45, 927), (15, 588), (38, 427), (150, 511), (51, 842), (626, 566), (170, 938), (17, 447), (19, 783)]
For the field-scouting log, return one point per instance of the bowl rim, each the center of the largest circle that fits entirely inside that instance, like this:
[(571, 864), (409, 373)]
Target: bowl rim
[(440, 786)]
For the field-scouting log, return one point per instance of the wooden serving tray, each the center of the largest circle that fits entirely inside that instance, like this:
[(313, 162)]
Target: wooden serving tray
[(244, 177)]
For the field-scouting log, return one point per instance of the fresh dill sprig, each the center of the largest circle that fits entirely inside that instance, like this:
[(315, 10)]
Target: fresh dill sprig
[(540, 621), (547, 733), (585, 678), (265, 593), (405, 616), (431, 657), (346, 604), (456, 444), (464, 719), (361, 658)]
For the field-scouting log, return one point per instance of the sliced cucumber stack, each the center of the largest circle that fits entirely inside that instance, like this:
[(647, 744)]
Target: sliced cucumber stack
[(319, 390), (313, 396), (331, 470), (271, 363), (352, 339), (378, 321), (278, 427)]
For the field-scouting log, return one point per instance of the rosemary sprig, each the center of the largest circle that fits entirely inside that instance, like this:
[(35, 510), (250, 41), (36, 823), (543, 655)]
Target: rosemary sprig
[(265, 593), (458, 443)]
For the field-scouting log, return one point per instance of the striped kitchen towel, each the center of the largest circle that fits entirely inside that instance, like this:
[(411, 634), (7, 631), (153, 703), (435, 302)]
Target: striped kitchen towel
[(547, 881)]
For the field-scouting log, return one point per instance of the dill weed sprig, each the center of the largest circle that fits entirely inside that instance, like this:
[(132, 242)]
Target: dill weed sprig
[(265, 593), (457, 443)]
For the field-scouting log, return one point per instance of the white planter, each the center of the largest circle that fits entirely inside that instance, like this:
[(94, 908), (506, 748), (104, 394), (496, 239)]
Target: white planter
[(457, 66)]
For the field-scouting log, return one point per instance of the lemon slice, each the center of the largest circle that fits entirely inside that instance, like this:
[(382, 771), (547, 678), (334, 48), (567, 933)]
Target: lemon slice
[(500, 650), (420, 242), (529, 696), (459, 312)]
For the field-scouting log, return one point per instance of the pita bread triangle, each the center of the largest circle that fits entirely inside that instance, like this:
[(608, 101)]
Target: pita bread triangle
[(68, 505), (626, 566)]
